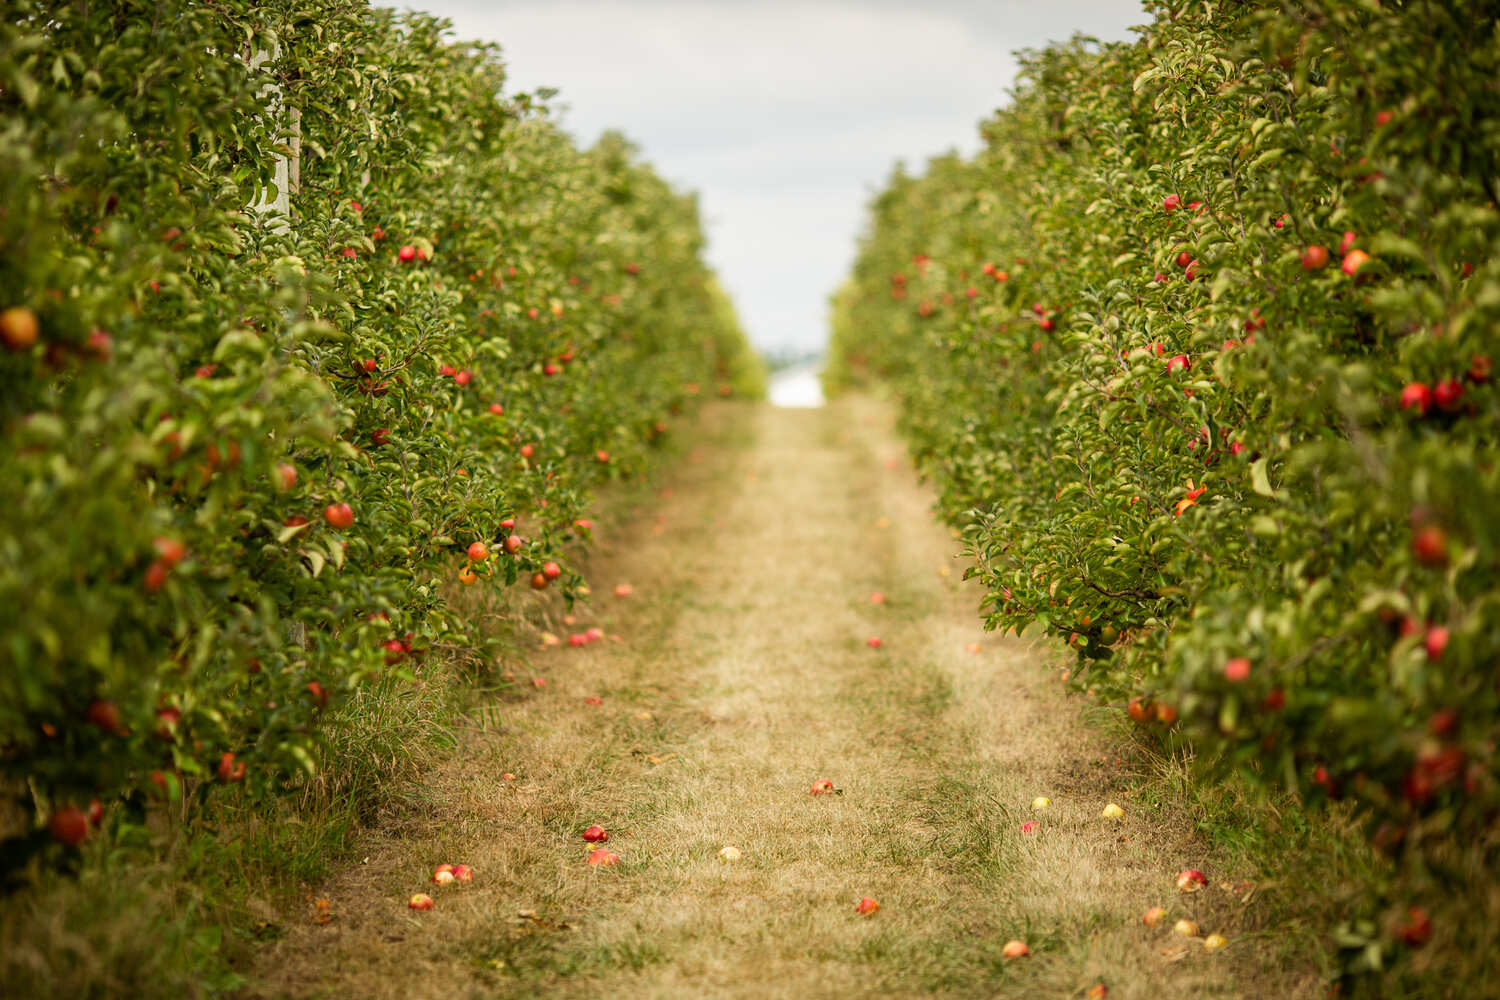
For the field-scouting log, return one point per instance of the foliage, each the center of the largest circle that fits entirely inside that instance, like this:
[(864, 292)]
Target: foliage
[(1253, 483), (466, 321)]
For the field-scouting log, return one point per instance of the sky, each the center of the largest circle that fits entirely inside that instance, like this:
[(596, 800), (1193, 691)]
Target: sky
[(785, 117)]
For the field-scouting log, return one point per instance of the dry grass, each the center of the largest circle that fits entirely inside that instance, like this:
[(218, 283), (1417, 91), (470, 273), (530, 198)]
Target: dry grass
[(744, 676)]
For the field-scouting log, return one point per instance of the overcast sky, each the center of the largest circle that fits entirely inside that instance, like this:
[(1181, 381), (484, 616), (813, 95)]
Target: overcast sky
[(785, 117)]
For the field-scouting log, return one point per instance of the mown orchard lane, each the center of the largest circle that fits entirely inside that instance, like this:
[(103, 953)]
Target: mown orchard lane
[(745, 676)]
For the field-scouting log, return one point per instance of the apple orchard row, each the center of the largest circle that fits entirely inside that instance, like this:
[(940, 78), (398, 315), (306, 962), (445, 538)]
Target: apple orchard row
[(250, 456), (1198, 351)]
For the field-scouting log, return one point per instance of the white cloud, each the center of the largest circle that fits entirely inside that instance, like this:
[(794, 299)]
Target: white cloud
[(784, 116)]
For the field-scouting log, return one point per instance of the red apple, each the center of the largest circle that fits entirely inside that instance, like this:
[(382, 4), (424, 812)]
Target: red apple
[(1417, 927), (1416, 396), (539, 581), (339, 516), (463, 874), (1353, 261), (552, 571), (1191, 880), (69, 826), (1436, 641), (171, 550), (603, 857), (1430, 546), (1178, 363), (1448, 393), (286, 476), (1018, 949), (1237, 670), (381, 435), (230, 769), (1171, 203), (866, 905), (105, 715), (496, 409), (19, 328), (873, 642), (1314, 258), (318, 693), (463, 378), (156, 576), (420, 901), (478, 552), (602, 455), (527, 451), (513, 543), (821, 787), (596, 834)]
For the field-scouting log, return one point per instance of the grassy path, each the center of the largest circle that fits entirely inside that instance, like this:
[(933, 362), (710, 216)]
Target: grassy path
[(743, 675)]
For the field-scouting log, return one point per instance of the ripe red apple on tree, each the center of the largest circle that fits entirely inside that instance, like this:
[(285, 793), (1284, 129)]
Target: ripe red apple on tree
[(479, 552), (539, 581), (1237, 670), (407, 254), (1448, 394), (19, 329), (1171, 203), (1314, 258), (1430, 546), (552, 571), (339, 516), (1416, 396), (104, 715), (1353, 261), (68, 826)]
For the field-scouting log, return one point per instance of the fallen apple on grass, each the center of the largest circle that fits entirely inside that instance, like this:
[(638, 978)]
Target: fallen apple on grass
[(603, 857), (877, 598), (623, 590), (1191, 880), (1015, 949), (463, 874), (596, 834), (873, 642), (443, 875), (729, 854), (1214, 942), (866, 905), (420, 901), (822, 787), (1040, 802), (1186, 928), (1030, 826), (1154, 916)]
